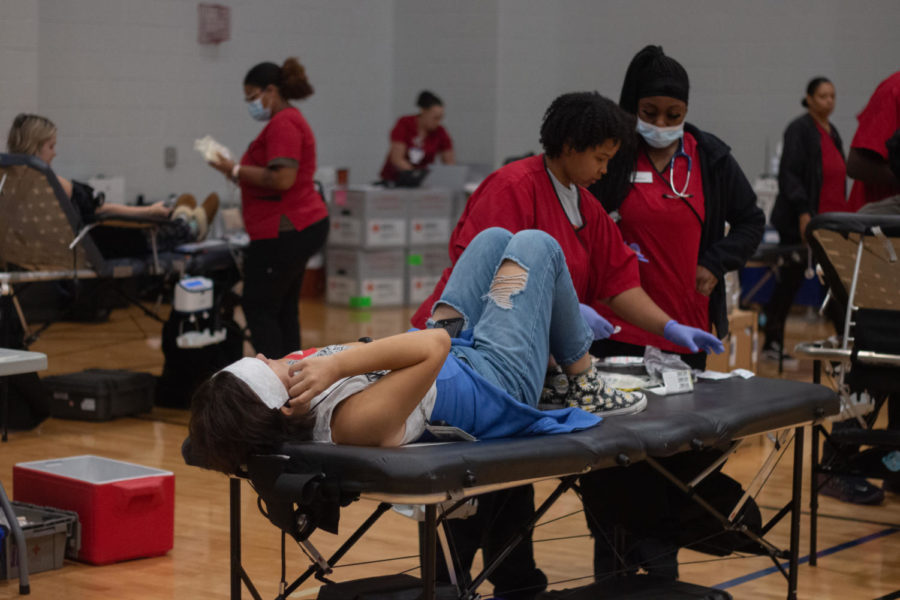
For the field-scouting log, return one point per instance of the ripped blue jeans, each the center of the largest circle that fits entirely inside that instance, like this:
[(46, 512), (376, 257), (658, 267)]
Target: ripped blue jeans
[(517, 322)]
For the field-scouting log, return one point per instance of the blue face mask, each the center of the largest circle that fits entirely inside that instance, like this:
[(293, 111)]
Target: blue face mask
[(660, 137), (258, 111)]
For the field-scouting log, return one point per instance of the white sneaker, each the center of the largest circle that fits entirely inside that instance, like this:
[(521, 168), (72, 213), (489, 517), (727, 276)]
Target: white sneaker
[(770, 354)]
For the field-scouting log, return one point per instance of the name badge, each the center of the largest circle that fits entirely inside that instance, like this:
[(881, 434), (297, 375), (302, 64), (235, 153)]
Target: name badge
[(415, 155), (642, 177)]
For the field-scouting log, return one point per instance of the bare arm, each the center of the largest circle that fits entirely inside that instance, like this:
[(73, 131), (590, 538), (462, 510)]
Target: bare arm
[(636, 307), (66, 185), (279, 178), (448, 157), (377, 415), (398, 156), (157, 209), (869, 167)]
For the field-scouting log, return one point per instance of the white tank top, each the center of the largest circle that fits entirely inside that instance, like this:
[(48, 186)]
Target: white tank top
[(324, 404)]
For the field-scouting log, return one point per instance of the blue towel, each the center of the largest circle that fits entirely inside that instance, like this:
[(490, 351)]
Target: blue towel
[(467, 400)]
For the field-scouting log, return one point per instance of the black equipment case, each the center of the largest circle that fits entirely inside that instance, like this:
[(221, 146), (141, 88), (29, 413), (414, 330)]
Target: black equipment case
[(100, 394)]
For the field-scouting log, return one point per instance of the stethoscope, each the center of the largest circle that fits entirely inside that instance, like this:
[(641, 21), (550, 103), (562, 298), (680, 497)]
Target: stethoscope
[(690, 163)]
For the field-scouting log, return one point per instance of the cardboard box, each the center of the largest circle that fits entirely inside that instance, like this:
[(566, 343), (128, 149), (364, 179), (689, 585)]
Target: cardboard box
[(358, 323), (126, 510), (368, 217), (424, 267), (430, 213), (358, 278), (741, 345)]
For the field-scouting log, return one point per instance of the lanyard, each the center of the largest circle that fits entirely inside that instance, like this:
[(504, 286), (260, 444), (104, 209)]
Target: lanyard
[(680, 152)]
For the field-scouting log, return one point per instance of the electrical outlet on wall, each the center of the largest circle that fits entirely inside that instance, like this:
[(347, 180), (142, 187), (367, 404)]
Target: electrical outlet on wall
[(170, 156)]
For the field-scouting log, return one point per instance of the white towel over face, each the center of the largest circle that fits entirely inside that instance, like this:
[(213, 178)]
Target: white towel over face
[(261, 379)]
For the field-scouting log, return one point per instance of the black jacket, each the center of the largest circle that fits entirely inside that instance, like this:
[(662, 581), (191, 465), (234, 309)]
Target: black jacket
[(799, 176), (728, 196)]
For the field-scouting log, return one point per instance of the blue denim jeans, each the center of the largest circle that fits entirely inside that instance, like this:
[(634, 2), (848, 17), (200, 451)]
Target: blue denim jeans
[(512, 341)]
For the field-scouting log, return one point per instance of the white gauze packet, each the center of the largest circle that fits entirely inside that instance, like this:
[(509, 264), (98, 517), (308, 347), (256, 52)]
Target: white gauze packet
[(209, 148)]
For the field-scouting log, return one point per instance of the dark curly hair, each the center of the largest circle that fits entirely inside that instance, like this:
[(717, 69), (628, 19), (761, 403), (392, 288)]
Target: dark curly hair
[(582, 120), (290, 79), (229, 423)]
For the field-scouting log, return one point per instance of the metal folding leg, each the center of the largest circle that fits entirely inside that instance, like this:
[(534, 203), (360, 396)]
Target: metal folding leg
[(19, 537), (775, 554), (238, 574)]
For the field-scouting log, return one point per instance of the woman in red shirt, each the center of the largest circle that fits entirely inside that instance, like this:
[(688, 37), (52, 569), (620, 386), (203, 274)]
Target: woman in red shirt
[(812, 179), (285, 216), (416, 140), (685, 186), (580, 133)]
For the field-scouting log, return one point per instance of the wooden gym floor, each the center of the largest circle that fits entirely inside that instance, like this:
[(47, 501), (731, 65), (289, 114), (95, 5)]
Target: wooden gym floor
[(864, 542)]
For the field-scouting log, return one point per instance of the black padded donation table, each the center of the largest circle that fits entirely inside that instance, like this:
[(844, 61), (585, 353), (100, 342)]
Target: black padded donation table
[(305, 484)]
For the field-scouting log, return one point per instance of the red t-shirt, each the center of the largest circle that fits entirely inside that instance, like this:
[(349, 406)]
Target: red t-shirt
[(521, 196), (833, 196), (286, 136), (877, 122), (420, 152), (667, 229)]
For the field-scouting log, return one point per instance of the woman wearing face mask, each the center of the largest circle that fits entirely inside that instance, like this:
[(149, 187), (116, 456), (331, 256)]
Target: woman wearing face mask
[(812, 179), (686, 185), (285, 216), (416, 140)]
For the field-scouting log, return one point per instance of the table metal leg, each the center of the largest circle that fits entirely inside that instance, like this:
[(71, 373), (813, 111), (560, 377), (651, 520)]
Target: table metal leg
[(813, 496), (234, 493), (813, 476), (4, 405), (795, 513), (429, 553)]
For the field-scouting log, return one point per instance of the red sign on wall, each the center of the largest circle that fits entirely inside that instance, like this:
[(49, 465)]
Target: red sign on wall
[(213, 23)]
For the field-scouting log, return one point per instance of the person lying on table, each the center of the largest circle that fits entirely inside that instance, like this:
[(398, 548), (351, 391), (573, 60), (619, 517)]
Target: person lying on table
[(519, 305)]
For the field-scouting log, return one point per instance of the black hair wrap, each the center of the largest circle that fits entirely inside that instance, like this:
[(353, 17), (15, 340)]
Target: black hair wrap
[(652, 73)]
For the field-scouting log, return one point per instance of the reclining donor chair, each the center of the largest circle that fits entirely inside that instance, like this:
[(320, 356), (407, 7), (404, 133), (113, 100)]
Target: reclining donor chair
[(43, 238), (858, 259)]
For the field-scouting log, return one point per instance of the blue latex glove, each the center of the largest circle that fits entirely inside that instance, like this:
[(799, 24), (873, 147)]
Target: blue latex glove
[(692, 338), (601, 327), (637, 250)]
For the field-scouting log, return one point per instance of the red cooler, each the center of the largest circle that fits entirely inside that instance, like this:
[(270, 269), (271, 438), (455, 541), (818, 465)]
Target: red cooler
[(126, 510)]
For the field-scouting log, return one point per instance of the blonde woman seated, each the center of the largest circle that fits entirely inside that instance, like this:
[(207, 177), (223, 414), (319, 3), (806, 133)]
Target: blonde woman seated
[(518, 308), (36, 136)]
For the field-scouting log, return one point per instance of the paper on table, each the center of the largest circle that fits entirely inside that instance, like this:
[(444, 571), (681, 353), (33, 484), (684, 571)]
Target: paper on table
[(627, 383), (714, 375)]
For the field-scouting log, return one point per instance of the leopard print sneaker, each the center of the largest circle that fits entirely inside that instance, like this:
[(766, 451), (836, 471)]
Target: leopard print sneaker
[(555, 390)]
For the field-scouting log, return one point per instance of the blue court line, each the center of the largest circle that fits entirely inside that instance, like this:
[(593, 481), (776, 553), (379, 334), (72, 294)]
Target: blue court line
[(804, 559)]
